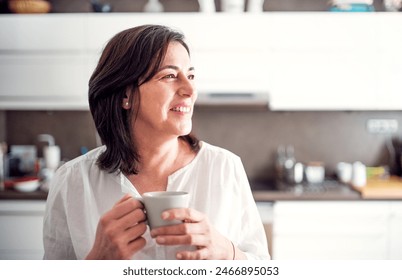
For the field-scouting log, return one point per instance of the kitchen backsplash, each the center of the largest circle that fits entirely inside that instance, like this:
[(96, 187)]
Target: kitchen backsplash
[(329, 137)]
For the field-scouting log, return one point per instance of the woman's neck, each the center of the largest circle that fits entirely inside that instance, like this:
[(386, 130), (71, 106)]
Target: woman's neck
[(158, 160), (159, 157)]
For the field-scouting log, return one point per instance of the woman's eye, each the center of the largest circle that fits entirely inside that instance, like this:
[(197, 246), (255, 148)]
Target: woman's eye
[(170, 76), (191, 77)]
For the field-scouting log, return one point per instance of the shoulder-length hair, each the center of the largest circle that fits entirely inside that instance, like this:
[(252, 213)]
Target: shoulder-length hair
[(131, 58)]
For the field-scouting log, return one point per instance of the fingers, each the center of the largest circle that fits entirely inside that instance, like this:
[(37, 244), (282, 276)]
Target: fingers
[(181, 229), (135, 232), (131, 219), (201, 254), (189, 239), (184, 214), (124, 206)]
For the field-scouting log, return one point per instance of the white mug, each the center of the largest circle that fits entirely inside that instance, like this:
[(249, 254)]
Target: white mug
[(344, 172), (157, 202), (359, 175)]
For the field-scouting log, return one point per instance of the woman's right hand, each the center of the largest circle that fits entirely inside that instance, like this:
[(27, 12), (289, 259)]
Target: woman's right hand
[(120, 230)]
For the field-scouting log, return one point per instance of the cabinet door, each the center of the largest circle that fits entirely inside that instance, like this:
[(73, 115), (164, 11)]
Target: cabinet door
[(331, 61), (43, 81), (390, 62), (39, 32), (21, 230), (395, 231), (330, 230)]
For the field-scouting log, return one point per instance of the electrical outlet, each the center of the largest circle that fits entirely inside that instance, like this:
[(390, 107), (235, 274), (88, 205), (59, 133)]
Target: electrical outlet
[(382, 126)]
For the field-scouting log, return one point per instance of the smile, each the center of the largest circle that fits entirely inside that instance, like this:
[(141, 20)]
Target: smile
[(181, 109)]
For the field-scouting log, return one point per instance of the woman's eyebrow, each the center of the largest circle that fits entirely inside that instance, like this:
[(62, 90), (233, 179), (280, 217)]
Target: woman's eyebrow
[(174, 68)]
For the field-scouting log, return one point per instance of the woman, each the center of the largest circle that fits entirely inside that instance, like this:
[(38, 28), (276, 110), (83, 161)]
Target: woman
[(141, 97)]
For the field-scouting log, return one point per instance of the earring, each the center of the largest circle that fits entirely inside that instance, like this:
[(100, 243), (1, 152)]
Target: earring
[(126, 104)]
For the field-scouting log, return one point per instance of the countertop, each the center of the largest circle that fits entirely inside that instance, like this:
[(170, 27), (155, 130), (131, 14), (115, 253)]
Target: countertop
[(267, 191), (328, 190)]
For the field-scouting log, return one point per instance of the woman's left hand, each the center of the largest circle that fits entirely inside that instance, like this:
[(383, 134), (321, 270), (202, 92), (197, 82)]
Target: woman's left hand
[(196, 231)]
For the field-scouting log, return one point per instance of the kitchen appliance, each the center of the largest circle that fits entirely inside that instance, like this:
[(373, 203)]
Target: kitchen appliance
[(21, 160)]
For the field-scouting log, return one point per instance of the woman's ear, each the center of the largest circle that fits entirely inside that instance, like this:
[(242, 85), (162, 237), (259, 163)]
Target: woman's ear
[(127, 99)]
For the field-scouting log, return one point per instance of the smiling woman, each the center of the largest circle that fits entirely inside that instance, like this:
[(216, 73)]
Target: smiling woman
[(141, 97)]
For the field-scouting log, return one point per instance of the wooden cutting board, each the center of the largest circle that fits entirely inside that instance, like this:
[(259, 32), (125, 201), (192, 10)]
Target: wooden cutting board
[(382, 188)]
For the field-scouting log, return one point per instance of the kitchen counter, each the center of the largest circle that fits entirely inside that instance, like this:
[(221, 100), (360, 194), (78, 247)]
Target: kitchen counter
[(328, 190), (262, 191), (16, 195)]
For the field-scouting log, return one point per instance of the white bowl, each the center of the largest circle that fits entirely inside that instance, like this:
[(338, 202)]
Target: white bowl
[(27, 186)]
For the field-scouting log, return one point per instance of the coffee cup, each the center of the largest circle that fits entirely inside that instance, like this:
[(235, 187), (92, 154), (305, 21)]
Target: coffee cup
[(157, 202)]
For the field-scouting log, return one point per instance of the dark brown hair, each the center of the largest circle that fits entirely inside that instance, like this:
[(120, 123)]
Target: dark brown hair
[(131, 58)]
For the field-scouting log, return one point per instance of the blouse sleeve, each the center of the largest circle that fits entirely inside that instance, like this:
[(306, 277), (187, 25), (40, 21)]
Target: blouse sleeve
[(253, 239), (56, 237)]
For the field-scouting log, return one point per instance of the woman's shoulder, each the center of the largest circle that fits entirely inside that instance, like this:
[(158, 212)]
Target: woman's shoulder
[(86, 161), (211, 155), (209, 150)]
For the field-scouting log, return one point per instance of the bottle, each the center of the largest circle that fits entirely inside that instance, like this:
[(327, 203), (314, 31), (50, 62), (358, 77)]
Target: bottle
[(280, 164), (289, 165)]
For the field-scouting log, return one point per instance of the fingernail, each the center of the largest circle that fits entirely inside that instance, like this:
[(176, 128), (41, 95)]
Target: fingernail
[(165, 215)]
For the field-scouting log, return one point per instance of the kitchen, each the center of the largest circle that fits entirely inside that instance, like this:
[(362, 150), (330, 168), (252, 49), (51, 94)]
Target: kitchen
[(324, 115)]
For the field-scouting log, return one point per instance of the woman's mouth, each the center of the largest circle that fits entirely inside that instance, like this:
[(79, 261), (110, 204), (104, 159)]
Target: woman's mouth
[(181, 109)]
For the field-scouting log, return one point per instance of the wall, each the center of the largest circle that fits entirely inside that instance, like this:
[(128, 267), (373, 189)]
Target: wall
[(79, 6), (253, 135)]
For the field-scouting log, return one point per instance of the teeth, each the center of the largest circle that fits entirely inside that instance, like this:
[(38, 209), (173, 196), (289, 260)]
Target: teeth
[(181, 109)]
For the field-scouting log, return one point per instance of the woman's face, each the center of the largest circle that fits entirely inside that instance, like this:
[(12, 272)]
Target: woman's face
[(167, 99)]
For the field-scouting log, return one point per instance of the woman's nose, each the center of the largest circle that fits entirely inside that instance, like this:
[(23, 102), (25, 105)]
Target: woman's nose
[(187, 87)]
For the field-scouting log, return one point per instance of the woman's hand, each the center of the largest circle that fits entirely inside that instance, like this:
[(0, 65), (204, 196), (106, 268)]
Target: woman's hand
[(120, 230), (197, 231)]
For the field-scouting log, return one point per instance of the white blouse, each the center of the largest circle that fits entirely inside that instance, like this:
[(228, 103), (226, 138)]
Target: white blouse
[(80, 193)]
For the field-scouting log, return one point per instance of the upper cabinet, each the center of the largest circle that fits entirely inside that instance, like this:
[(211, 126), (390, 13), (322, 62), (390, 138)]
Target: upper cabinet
[(303, 61), (43, 62), (331, 61)]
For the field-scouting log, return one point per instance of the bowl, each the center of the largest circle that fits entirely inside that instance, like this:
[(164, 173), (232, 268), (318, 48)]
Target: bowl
[(26, 184), (29, 6)]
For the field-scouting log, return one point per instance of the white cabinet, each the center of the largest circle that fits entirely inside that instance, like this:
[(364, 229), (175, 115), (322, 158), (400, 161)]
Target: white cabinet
[(303, 61), (35, 80), (395, 231), (332, 61), (337, 230), (43, 62), (21, 229)]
